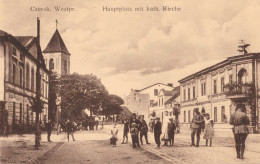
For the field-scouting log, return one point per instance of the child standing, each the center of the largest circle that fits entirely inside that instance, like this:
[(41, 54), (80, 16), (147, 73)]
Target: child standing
[(209, 131), (134, 134)]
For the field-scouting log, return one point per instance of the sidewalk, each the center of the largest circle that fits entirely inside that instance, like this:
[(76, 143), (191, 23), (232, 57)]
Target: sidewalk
[(20, 149)]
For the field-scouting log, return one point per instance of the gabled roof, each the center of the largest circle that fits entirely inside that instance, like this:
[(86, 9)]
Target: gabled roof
[(176, 93), (152, 86), (56, 44)]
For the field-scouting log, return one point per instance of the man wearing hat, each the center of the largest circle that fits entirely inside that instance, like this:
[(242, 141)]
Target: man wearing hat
[(171, 129), (196, 125), (157, 132), (143, 130), (126, 131)]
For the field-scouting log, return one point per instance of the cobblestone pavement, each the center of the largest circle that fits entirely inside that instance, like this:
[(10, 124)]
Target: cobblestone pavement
[(93, 147)]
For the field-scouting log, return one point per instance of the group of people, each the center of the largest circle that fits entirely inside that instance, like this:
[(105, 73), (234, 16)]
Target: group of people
[(201, 122), (69, 127)]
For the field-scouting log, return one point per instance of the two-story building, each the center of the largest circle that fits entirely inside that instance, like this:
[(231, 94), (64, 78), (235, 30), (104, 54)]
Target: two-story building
[(218, 88), (20, 60)]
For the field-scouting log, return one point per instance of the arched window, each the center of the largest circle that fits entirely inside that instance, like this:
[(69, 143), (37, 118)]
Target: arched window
[(51, 64), (32, 79), (242, 76), (27, 76), (65, 67)]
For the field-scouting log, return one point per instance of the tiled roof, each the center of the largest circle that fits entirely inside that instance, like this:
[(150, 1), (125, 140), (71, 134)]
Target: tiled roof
[(56, 44)]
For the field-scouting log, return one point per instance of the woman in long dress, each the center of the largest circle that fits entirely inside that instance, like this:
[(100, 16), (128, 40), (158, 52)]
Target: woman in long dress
[(114, 137), (209, 131), (165, 136)]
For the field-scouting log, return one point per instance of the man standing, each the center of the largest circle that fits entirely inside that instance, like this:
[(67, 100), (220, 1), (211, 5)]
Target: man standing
[(196, 125), (126, 130), (171, 129), (240, 121), (48, 128), (143, 130), (69, 129), (157, 131)]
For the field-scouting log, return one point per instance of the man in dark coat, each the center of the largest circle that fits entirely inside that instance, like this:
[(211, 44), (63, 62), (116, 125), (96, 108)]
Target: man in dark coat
[(126, 131), (196, 125), (143, 130), (48, 129), (240, 121), (134, 134), (69, 129), (157, 132)]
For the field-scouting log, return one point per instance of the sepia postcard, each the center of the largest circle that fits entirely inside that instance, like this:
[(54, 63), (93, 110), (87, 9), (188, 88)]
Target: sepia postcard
[(130, 81)]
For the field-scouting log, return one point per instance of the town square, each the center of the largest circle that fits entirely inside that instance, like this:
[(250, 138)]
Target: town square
[(113, 82)]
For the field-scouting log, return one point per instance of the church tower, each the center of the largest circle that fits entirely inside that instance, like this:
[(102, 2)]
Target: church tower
[(57, 56)]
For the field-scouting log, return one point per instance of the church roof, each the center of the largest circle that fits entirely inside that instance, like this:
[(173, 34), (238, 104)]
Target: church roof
[(56, 44)]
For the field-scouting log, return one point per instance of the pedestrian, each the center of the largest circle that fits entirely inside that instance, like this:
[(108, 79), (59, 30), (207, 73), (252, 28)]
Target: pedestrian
[(69, 130), (157, 132), (114, 132), (126, 131), (171, 129), (143, 130), (196, 125), (165, 122), (134, 134), (48, 126), (208, 131), (240, 121)]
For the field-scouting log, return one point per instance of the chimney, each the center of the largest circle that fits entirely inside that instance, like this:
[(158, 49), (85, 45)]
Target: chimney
[(38, 30), (170, 84)]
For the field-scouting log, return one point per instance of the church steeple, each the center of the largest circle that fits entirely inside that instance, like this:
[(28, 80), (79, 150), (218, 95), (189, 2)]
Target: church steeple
[(56, 44)]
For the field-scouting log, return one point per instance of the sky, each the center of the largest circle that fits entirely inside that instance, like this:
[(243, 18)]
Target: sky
[(137, 49)]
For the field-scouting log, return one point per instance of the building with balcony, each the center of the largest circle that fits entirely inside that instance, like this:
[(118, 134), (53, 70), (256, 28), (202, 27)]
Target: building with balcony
[(218, 88), (22, 75)]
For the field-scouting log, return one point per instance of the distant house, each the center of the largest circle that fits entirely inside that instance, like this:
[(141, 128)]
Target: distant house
[(139, 101), (166, 101)]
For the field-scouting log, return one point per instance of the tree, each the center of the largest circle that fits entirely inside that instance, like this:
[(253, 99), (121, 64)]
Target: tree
[(37, 106), (112, 105), (176, 112), (80, 92), (54, 88)]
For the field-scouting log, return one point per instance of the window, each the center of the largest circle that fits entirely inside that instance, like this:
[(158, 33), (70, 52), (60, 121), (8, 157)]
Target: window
[(189, 116), (27, 76), (151, 102), (242, 76), (184, 95), (222, 84), (14, 51), (188, 93), (27, 115), (184, 116), (21, 113), (193, 93), (162, 101), (223, 116), (32, 79), (230, 78), (65, 67), (21, 77), (14, 74), (14, 113), (51, 64), (215, 86), (155, 92), (215, 114), (203, 89)]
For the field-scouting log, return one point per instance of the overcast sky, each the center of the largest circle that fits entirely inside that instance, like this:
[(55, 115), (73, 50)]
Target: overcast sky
[(136, 49)]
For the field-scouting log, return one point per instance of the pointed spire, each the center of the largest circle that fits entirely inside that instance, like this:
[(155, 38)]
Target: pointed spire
[(57, 24), (56, 44)]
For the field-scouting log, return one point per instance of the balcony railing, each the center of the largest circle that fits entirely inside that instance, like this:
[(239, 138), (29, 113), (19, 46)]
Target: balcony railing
[(239, 89)]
